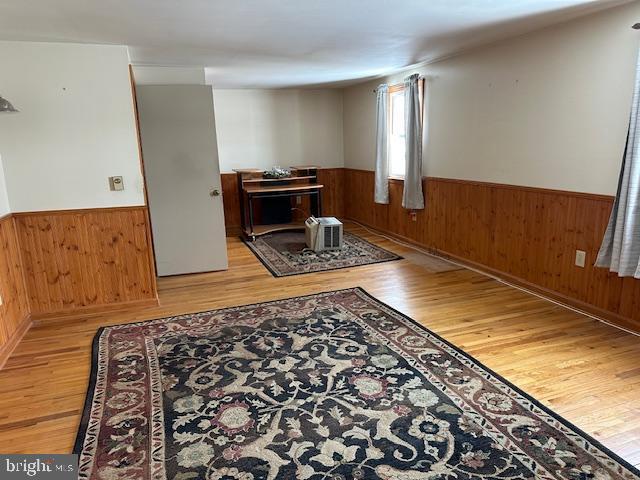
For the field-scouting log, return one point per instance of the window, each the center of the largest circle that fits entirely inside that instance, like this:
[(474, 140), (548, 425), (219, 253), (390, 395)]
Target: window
[(396, 132), (396, 128)]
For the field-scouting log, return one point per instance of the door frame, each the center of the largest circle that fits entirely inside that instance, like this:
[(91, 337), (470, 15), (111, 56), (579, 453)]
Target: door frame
[(136, 116)]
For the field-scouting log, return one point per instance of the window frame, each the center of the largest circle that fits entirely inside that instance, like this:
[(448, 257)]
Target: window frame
[(399, 87)]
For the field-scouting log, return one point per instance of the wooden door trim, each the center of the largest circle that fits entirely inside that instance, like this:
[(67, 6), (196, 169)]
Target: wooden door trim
[(136, 116)]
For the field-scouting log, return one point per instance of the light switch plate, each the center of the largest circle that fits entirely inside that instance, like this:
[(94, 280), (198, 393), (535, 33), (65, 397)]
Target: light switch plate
[(116, 184), (581, 257)]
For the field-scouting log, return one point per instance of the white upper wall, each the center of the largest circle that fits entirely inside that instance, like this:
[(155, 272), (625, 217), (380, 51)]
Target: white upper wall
[(548, 109), (75, 128), (263, 128)]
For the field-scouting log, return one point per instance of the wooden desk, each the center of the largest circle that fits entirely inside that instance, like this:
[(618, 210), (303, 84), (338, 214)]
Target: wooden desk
[(283, 188), (252, 186)]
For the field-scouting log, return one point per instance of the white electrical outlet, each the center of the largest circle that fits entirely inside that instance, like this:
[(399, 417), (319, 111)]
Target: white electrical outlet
[(581, 257)]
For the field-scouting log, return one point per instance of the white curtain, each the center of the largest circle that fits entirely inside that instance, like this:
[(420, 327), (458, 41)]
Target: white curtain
[(620, 250), (412, 197), (381, 194)]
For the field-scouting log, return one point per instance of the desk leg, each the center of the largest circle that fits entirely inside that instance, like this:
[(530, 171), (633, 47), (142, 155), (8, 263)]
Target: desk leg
[(243, 222), (314, 204), (250, 201)]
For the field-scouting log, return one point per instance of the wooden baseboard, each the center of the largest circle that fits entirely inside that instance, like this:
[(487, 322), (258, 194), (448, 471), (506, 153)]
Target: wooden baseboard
[(7, 349), (601, 314), (583, 307), (48, 317)]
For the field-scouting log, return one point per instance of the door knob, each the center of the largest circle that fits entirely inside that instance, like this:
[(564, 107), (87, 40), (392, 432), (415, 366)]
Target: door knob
[(214, 192)]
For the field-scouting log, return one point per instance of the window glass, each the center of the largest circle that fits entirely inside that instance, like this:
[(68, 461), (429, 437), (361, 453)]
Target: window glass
[(397, 134)]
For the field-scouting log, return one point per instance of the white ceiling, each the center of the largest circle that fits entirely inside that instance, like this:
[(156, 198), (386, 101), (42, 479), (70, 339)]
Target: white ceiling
[(283, 43)]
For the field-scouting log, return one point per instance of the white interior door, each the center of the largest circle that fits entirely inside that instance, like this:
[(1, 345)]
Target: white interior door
[(180, 152)]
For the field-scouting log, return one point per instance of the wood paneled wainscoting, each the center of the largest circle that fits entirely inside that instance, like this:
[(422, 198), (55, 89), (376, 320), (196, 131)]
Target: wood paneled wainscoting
[(85, 260), (14, 311), (59, 263), (332, 197), (527, 236)]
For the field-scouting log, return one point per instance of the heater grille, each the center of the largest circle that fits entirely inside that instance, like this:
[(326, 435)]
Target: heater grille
[(331, 236)]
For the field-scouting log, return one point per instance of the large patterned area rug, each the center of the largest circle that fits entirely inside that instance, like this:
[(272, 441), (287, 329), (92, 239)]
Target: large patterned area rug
[(285, 253), (330, 386)]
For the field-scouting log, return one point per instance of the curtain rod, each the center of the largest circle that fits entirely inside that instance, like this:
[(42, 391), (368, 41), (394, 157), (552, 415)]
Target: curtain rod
[(421, 77)]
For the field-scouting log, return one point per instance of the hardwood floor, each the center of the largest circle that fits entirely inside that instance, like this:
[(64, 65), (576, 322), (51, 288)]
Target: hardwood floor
[(585, 370)]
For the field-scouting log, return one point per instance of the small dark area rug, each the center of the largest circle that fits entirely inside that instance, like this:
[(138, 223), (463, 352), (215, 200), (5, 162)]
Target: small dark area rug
[(285, 253), (329, 386)]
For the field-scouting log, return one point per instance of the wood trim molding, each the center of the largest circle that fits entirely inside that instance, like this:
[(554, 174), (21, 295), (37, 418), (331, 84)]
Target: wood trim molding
[(71, 211), (91, 310), (7, 349), (550, 191), (136, 117)]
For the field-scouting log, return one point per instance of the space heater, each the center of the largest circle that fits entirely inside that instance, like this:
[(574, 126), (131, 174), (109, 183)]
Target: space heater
[(324, 233)]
